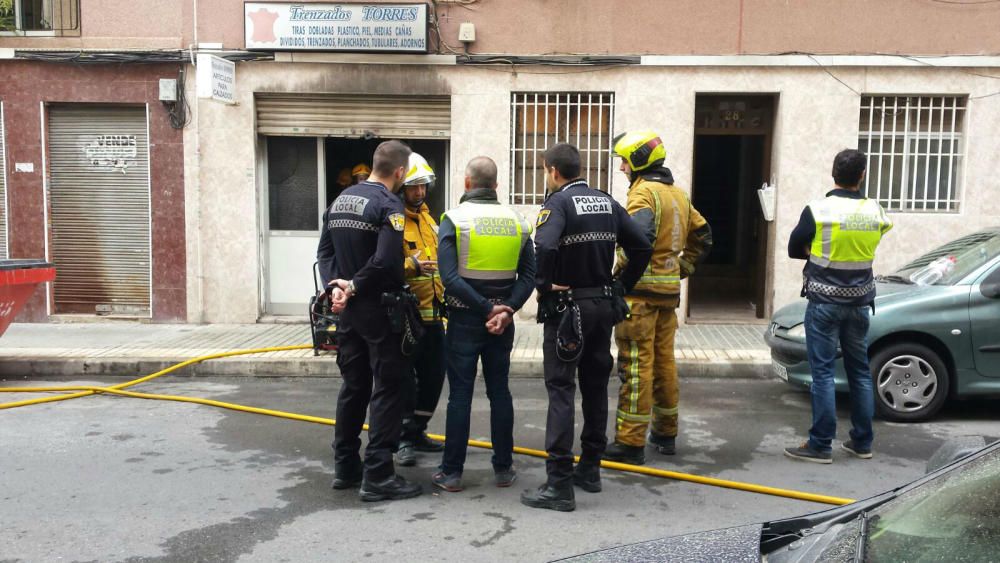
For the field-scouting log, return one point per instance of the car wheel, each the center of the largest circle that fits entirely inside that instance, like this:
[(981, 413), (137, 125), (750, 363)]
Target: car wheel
[(910, 382)]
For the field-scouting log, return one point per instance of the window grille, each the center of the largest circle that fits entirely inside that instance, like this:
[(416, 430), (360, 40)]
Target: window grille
[(542, 119), (914, 148)]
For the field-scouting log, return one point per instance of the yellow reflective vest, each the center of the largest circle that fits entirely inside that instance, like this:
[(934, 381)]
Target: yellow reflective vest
[(489, 240)]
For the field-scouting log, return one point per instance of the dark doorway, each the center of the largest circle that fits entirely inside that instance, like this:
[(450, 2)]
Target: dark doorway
[(344, 153), (731, 162)]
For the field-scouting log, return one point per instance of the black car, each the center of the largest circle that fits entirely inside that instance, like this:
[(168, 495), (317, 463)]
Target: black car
[(950, 514)]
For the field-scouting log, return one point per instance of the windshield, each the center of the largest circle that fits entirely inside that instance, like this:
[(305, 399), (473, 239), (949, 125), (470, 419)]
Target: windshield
[(969, 253), (956, 517)]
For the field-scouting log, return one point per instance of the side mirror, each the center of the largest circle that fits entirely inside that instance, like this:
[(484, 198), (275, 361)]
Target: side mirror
[(990, 288)]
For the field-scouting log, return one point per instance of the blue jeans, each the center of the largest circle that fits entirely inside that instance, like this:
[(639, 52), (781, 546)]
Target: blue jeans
[(825, 325), (468, 341)]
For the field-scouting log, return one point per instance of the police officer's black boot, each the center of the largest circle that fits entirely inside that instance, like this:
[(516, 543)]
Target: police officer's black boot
[(346, 477), (666, 445), (393, 488), (587, 476), (424, 443), (406, 456), (622, 453), (558, 497)]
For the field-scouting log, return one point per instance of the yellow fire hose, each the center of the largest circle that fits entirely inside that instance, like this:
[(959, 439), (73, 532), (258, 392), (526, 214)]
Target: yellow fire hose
[(75, 391)]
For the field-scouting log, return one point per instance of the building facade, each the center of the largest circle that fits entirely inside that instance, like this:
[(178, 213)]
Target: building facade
[(743, 93)]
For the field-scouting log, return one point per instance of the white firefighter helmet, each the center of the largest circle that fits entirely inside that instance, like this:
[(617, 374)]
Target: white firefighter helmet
[(419, 172)]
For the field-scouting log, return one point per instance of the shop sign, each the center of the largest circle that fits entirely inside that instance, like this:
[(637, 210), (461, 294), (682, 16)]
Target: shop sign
[(336, 27), (216, 78), (114, 152)]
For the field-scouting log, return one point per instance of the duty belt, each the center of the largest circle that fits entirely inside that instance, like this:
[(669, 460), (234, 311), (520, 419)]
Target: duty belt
[(456, 303), (575, 294)]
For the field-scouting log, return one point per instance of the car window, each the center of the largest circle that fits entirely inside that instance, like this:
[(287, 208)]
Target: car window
[(953, 518), (969, 252)]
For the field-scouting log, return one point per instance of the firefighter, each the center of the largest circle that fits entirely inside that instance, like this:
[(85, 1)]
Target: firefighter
[(360, 172), (681, 238), (579, 303), (420, 249), (365, 225)]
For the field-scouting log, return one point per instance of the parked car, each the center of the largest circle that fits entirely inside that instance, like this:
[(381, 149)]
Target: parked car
[(927, 343), (950, 514)]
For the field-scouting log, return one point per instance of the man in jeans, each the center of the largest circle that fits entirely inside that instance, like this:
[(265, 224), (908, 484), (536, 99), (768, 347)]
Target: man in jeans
[(838, 236), (487, 263)]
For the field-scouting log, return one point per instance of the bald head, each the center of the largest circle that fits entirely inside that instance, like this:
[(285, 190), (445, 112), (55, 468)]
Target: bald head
[(481, 172)]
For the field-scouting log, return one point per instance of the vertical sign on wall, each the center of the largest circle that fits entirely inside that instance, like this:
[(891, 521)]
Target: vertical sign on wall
[(216, 78)]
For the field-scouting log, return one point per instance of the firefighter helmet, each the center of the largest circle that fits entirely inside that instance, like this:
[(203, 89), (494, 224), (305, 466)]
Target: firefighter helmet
[(418, 172), (641, 149)]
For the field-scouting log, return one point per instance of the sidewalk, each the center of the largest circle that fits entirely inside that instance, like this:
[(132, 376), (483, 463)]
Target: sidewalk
[(132, 349)]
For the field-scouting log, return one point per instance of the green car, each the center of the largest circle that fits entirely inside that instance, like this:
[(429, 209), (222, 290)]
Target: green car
[(927, 342)]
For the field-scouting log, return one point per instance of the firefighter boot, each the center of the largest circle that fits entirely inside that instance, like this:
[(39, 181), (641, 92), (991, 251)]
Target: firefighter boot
[(666, 445), (622, 453)]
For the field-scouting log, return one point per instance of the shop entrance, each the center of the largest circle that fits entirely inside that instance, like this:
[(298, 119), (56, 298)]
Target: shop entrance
[(732, 159), (303, 178)]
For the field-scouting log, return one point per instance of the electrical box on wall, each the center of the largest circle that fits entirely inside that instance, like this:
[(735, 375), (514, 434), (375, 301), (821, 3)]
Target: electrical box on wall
[(467, 32), (168, 90)]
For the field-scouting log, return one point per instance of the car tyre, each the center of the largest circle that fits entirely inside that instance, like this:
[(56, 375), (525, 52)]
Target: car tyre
[(910, 382)]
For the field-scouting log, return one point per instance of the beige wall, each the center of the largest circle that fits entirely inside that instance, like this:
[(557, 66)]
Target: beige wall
[(816, 117), (601, 27), (692, 26)]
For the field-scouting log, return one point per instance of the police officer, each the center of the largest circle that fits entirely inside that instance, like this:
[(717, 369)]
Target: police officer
[(681, 238), (365, 224), (837, 236), (488, 268), (420, 248), (579, 303)]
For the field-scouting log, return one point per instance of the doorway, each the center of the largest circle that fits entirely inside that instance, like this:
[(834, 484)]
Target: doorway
[(732, 160), (302, 181)]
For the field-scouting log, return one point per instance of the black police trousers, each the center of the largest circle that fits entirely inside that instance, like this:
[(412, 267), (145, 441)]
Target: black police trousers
[(593, 368), (422, 386), (372, 366)]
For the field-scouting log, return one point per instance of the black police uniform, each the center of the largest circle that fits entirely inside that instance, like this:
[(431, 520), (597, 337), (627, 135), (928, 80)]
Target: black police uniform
[(577, 230), (365, 226)]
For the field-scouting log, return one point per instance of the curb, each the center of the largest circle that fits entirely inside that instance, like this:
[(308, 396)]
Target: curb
[(323, 366)]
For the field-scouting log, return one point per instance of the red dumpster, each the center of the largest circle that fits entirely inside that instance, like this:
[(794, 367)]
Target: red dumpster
[(18, 279)]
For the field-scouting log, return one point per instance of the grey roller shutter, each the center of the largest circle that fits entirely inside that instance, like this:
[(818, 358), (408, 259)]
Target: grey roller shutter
[(315, 115), (100, 219), (4, 252)]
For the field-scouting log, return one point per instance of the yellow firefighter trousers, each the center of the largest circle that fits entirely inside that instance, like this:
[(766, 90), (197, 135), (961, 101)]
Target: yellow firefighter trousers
[(648, 370)]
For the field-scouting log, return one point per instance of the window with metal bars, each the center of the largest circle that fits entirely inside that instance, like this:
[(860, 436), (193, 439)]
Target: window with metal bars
[(914, 147), (542, 119)]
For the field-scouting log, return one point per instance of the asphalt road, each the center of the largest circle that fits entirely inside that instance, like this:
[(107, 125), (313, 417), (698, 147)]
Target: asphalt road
[(119, 479)]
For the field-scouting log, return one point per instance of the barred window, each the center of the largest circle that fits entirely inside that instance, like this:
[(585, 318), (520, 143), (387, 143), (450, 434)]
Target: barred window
[(914, 148), (542, 119)]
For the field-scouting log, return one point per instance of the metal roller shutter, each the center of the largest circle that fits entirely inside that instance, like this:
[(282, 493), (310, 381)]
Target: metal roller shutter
[(100, 219), (351, 116), (4, 253)]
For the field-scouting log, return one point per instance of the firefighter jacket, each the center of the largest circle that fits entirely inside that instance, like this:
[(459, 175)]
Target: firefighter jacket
[(420, 242), (680, 236), (577, 230), (838, 236), (486, 254)]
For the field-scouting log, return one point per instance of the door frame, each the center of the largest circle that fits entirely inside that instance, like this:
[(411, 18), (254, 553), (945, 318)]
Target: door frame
[(264, 216), (764, 269)]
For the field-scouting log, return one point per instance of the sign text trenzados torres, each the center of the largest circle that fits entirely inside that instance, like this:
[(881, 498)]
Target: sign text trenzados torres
[(336, 27)]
